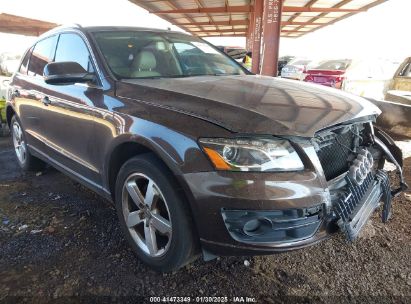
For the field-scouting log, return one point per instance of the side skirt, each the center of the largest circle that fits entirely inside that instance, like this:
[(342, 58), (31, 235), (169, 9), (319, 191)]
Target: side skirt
[(72, 174)]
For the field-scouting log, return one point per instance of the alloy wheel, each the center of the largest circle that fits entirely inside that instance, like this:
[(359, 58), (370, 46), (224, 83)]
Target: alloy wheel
[(146, 215), (19, 143)]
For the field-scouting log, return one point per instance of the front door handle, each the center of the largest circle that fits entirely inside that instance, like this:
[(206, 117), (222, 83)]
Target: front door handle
[(46, 101)]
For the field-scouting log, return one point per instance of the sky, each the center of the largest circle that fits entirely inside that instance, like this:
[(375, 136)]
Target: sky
[(381, 32)]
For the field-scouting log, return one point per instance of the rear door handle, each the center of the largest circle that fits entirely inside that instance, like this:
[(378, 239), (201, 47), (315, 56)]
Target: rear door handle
[(46, 101)]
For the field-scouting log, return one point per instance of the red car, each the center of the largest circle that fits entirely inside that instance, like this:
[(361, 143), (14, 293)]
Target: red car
[(330, 73)]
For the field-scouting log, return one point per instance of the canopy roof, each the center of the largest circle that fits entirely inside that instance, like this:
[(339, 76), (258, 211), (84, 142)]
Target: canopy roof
[(231, 17), (23, 26)]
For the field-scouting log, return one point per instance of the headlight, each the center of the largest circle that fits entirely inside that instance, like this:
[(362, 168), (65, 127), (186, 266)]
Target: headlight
[(251, 154)]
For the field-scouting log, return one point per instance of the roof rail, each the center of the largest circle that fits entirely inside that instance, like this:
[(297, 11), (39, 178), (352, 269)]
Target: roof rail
[(71, 25), (60, 27)]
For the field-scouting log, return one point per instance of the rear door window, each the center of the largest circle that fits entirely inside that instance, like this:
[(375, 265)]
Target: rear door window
[(336, 65), (43, 53), (25, 62), (299, 62), (71, 47)]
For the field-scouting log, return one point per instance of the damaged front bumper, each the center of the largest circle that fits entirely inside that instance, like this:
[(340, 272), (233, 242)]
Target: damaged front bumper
[(356, 205), (247, 213), (359, 202)]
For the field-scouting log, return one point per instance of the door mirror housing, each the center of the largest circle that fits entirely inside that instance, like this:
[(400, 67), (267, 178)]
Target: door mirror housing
[(67, 72)]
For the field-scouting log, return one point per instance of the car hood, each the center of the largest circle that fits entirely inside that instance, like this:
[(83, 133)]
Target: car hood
[(251, 104)]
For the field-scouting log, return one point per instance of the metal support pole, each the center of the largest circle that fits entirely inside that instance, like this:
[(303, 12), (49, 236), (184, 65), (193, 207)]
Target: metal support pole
[(271, 36), (250, 35), (257, 30), (247, 38)]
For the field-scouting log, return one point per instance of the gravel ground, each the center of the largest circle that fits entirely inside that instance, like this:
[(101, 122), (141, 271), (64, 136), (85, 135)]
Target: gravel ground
[(60, 242)]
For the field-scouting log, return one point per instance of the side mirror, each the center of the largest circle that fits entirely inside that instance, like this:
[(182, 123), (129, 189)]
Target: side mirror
[(66, 73)]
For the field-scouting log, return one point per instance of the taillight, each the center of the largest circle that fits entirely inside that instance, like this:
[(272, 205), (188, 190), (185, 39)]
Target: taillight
[(339, 78), (338, 82)]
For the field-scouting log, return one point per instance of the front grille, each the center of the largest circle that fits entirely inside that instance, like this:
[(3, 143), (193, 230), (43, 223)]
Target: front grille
[(346, 206), (334, 152), (356, 203)]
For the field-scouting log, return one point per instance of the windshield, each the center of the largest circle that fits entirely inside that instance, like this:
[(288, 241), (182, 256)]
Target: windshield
[(145, 54), (335, 65)]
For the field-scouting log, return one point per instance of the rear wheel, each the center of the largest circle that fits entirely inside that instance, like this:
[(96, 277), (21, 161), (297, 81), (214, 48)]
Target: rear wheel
[(153, 214), (24, 158)]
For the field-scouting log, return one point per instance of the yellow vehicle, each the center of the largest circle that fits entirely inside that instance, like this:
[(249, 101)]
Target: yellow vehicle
[(3, 128), (400, 86), (3, 89), (2, 110), (402, 78)]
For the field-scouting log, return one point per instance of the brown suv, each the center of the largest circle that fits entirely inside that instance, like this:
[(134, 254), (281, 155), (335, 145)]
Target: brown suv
[(197, 154)]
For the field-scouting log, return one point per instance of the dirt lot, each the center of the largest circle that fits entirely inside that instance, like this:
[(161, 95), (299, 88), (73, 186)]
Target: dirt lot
[(59, 240)]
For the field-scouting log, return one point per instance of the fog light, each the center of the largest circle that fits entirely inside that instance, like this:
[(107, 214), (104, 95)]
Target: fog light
[(257, 226)]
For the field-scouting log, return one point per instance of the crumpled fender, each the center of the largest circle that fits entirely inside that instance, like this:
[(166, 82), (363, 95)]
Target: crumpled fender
[(389, 142)]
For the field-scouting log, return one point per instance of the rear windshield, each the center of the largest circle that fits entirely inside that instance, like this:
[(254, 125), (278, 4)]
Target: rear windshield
[(144, 54), (299, 62), (336, 65)]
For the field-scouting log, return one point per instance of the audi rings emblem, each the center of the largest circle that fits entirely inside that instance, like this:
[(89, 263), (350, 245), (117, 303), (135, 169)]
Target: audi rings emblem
[(361, 166)]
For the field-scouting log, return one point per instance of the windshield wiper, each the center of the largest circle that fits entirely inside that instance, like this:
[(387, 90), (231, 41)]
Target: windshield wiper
[(197, 75), (182, 76)]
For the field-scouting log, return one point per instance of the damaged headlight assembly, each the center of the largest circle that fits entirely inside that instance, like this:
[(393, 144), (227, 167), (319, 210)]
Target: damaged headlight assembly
[(252, 154)]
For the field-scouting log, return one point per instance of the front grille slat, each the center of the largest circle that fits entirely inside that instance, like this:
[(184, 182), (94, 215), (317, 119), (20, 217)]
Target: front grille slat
[(345, 207), (363, 202)]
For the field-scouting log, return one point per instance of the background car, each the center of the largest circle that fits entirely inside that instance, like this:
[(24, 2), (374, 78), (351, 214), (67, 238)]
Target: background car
[(399, 89), (8, 63), (367, 78), (282, 62), (296, 68), (402, 77), (3, 92), (329, 73)]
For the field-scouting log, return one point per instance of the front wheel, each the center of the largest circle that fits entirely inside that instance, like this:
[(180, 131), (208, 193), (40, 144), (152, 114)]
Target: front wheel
[(24, 158), (153, 214)]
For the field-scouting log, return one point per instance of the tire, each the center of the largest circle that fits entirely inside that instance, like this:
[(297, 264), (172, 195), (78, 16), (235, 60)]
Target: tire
[(165, 212), (25, 160)]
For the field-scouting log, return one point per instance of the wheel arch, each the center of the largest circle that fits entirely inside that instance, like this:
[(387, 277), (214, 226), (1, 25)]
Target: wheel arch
[(126, 147)]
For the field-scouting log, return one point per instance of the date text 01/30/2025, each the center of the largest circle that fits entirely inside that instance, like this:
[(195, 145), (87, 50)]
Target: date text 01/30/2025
[(203, 299)]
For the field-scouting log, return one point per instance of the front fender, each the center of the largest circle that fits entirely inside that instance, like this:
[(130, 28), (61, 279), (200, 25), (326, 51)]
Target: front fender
[(178, 151), (389, 142)]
